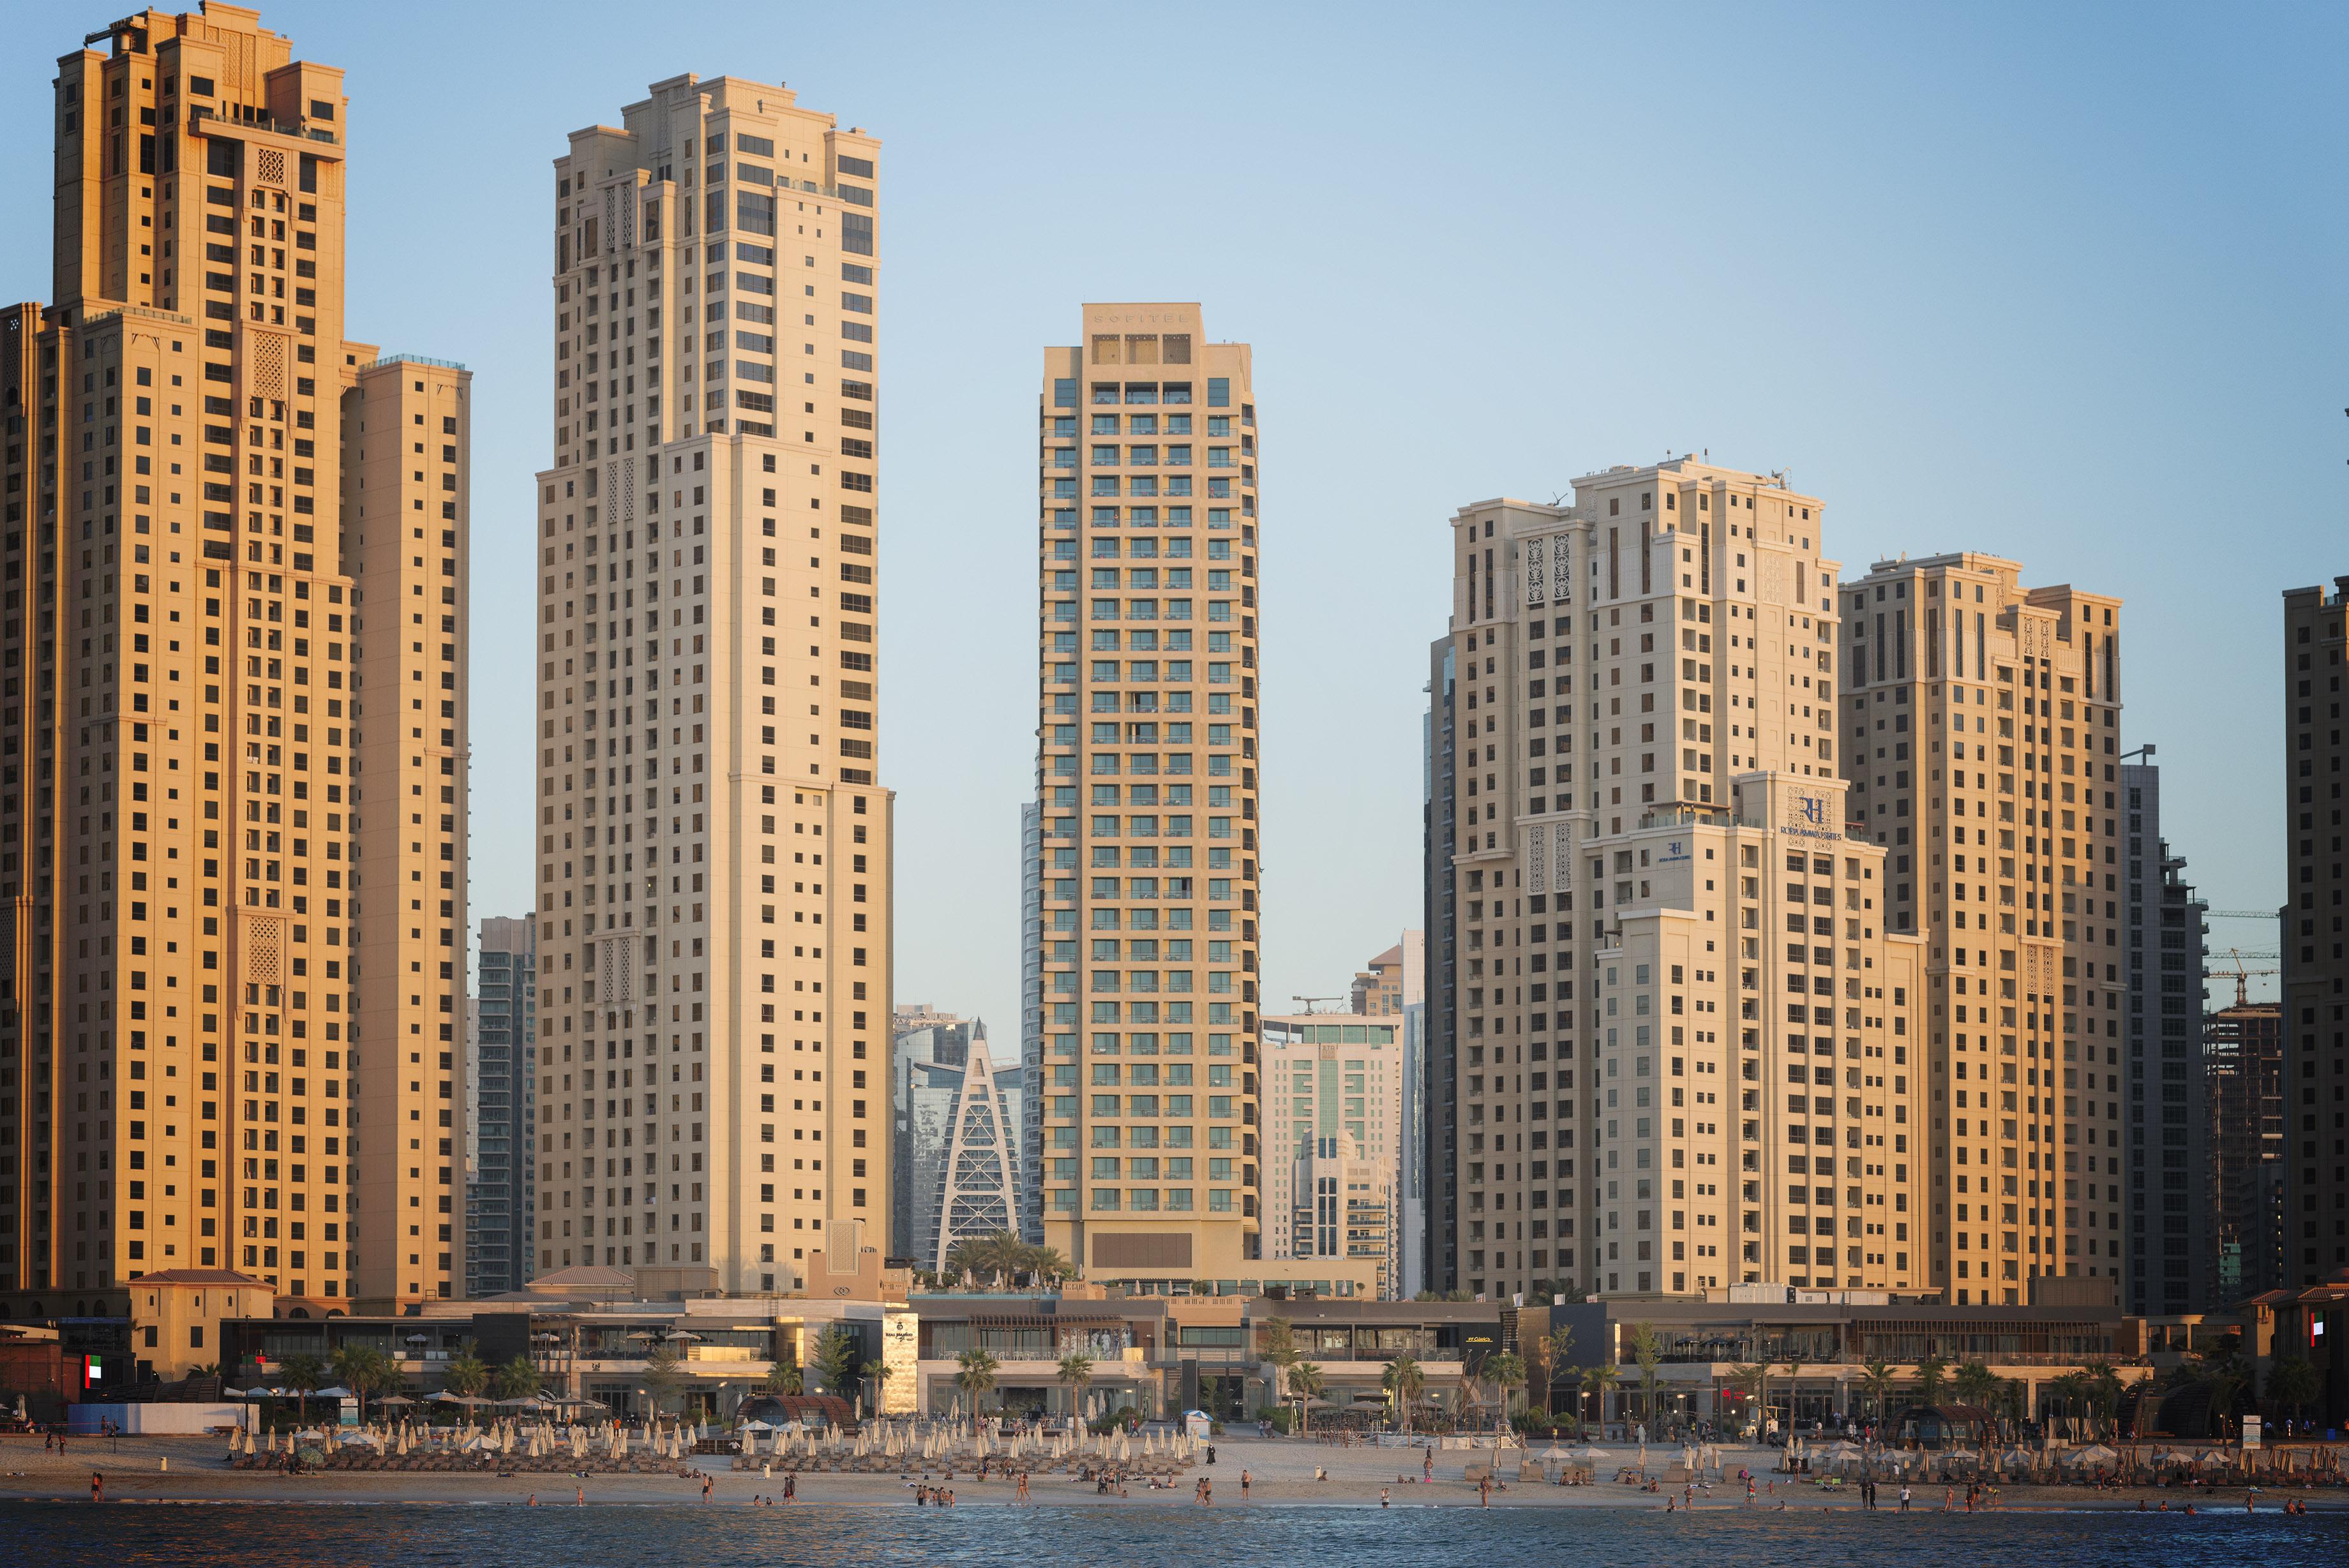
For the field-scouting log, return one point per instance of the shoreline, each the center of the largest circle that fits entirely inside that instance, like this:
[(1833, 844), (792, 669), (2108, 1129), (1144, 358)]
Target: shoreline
[(1284, 1477)]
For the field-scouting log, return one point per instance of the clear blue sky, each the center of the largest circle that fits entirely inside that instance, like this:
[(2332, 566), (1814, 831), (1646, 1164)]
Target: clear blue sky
[(2059, 282)]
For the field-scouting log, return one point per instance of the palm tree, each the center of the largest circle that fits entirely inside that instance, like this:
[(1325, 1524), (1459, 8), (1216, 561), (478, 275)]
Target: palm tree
[(1048, 1263), (467, 1374), (878, 1374), (304, 1373), (2069, 1390), (364, 1369), (1793, 1383), (2295, 1382), (1976, 1385), (1603, 1378), (1304, 1383), (1504, 1371), (1076, 1372), (1404, 1382), (1648, 1354), (784, 1373), (1876, 1380), (2104, 1391), (976, 1376), (1929, 1374), (1753, 1380), (518, 1379)]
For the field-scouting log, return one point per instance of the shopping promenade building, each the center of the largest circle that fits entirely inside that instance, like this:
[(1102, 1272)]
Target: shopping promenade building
[(713, 841), (1674, 1042), (234, 804), (1981, 729), (1147, 787)]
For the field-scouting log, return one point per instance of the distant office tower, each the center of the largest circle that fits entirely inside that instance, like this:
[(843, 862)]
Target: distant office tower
[(501, 1199), (1443, 742), (714, 852), (2242, 1186), (2315, 949), (1633, 743), (1146, 776), (1334, 1096), (2171, 1266), (225, 519), (1981, 722), (1411, 1207), (1032, 1018), (956, 1136)]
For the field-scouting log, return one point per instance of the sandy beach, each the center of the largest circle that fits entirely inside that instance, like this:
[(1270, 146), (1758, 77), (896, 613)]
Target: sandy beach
[(1280, 1472)]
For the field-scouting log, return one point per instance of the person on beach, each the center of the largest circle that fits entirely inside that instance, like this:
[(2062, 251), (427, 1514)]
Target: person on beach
[(96, 1487), (1022, 1495), (534, 1499), (1244, 1486), (583, 1495), (1904, 1497), (1427, 1465), (1384, 1501), (1484, 1491)]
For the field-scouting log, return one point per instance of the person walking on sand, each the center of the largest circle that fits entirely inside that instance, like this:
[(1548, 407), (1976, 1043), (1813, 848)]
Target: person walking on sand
[(1484, 1491), (1244, 1485), (1427, 1465), (97, 1486), (1904, 1497), (1022, 1495)]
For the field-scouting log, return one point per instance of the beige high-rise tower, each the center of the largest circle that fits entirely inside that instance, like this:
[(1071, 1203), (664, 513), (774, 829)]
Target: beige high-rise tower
[(1146, 783), (1670, 1036), (1981, 737), (714, 852), (234, 804)]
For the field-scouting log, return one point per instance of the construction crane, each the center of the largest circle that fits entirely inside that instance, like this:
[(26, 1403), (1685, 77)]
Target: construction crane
[(2239, 914), (2241, 974)]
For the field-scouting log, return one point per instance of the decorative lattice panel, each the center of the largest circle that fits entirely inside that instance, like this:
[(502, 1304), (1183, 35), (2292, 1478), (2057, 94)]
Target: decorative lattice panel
[(264, 952), (266, 367)]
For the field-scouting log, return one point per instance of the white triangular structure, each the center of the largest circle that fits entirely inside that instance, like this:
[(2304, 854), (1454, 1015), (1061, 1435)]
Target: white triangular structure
[(979, 1194)]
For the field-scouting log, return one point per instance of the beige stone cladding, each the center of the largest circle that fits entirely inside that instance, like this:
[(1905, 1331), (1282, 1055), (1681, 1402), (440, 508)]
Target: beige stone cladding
[(1612, 663), (1147, 759), (1982, 738), (1754, 1074), (713, 847), (237, 884)]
